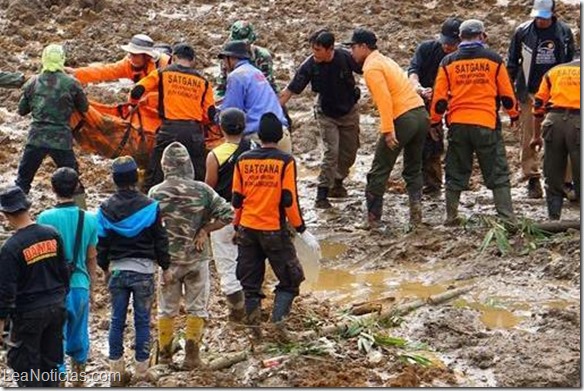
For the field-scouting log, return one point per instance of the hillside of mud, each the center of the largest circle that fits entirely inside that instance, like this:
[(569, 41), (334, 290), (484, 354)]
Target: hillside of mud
[(519, 325)]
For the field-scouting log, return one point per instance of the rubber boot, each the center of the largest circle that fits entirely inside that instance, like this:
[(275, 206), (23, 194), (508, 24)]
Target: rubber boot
[(322, 201), (338, 190), (554, 206), (282, 304), (452, 201), (374, 209), (236, 304), (193, 337), (503, 204), (415, 199), (165, 334), (140, 371), (76, 374), (117, 372), (80, 200), (253, 316)]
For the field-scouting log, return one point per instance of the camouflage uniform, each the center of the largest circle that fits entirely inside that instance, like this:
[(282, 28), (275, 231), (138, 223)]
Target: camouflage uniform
[(186, 206), (51, 97), (261, 57), (11, 79)]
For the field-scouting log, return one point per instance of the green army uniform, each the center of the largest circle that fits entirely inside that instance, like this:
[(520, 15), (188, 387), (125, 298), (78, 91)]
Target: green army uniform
[(51, 98), (261, 57), (186, 206), (11, 79)]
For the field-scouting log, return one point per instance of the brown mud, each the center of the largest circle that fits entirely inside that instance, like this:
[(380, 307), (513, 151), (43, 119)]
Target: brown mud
[(520, 324)]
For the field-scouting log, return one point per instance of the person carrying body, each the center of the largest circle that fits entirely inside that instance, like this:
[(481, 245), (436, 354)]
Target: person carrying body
[(186, 104)]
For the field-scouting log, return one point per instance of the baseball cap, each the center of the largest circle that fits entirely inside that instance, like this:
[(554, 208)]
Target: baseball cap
[(361, 35), (471, 27), (125, 171), (450, 31), (542, 9)]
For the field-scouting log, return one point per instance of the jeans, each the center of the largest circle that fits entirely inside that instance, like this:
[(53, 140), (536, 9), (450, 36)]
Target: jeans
[(36, 345), (140, 286)]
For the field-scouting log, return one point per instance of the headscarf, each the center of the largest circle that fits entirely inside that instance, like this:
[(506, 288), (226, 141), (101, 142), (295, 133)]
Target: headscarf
[(53, 58)]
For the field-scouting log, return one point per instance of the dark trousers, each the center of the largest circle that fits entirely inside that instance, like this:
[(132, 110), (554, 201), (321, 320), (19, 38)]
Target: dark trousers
[(561, 133), (253, 248), (466, 140), (190, 134), (37, 346), (411, 129), (32, 159)]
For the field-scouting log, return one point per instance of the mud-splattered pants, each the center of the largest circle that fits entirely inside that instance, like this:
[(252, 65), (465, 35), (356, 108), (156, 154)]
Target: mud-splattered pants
[(253, 248), (140, 286), (340, 138), (561, 134), (194, 279)]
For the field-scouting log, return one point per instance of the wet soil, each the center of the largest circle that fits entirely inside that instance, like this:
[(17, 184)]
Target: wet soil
[(518, 326)]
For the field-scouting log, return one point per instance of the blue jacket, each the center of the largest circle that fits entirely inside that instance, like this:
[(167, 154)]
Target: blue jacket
[(249, 90)]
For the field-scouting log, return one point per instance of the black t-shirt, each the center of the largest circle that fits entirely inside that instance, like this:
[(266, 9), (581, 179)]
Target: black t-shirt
[(426, 62), (545, 56), (333, 82), (34, 270)]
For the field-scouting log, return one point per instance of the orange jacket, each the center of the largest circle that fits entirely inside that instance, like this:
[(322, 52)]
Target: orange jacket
[(470, 84), (122, 69), (390, 88), (264, 191), (183, 93), (559, 88)]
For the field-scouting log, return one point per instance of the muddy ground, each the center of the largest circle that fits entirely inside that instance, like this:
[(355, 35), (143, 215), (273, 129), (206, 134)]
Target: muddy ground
[(518, 326)]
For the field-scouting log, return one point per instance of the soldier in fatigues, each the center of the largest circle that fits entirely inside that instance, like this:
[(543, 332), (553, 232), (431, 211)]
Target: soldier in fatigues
[(51, 97), (261, 57), (190, 209)]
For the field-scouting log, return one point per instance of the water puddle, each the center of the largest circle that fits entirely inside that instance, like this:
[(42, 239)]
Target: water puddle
[(331, 250)]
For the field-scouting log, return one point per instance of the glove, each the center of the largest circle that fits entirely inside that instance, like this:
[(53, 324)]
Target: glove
[(311, 242)]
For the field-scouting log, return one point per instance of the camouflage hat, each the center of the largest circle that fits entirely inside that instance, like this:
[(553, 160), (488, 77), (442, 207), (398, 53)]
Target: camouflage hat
[(242, 30)]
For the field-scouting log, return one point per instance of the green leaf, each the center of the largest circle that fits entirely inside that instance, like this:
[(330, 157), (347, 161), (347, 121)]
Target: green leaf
[(386, 340), (415, 359)]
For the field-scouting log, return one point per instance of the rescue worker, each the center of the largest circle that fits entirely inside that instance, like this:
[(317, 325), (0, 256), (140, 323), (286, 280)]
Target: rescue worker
[(471, 84), (51, 97), (404, 125), (33, 286), (78, 230), (422, 74), (536, 46), (186, 105), (559, 97), (131, 241), (11, 79), (190, 211), (264, 197), (220, 165), (260, 57), (248, 90), (330, 72), (140, 61)]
